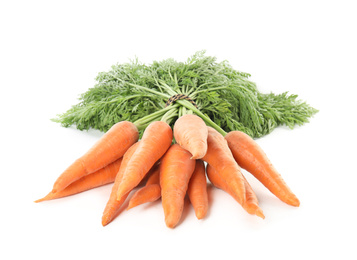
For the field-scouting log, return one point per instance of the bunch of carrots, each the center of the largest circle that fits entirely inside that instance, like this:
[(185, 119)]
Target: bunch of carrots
[(174, 163)]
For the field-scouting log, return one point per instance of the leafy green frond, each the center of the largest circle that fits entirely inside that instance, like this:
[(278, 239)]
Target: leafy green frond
[(224, 96)]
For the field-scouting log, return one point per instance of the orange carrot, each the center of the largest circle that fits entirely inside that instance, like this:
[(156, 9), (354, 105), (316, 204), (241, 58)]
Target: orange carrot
[(110, 147), (155, 141), (252, 158), (190, 132), (150, 192), (113, 205), (176, 169), (220, 157), (197, 190), (101, 177), (251, 202)]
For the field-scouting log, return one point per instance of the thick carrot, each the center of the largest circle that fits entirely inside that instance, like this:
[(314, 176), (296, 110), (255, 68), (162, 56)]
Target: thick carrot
[(176, 169), (110, 147), (190, 132), (252, 158), (155, 141), (150, 192), (251, 201), (101, 177), (113, 205), (197, 190), (220, 157)]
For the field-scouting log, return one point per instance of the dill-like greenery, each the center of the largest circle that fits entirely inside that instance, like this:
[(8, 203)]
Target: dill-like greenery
[(226, 99)]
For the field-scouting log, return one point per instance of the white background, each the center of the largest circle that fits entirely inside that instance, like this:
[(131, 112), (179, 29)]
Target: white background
[(51, 51)]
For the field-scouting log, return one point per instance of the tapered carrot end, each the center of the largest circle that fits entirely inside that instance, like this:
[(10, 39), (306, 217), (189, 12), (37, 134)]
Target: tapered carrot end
[(119, 197), (172, 218), (131, 205), (259, 213), (293, 201), (201, 212), (170, 223), (297, 203), (198, 153), (47, 197), (39, 200), (121, 192), (106, 220)]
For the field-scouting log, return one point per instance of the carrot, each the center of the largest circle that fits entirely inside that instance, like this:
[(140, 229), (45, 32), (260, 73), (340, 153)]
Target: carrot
[(150, 192), (113, 205), (190, 132), (101, 177), (220, 157), (251, 202), (110, 147), (197, 190), (155, 141), (176, 169), (252, 158)]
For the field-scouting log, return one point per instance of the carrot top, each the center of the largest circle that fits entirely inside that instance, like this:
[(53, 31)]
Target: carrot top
[(225, 98)]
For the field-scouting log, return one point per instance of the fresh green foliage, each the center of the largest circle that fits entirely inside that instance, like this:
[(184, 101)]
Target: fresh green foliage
[(226, 99)]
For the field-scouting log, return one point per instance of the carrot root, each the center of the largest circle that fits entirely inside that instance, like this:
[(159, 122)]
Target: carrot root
[(176, 169), (101, 177), (250, 156), (155, 141), (197, 190), (111, 146), (190, 132)]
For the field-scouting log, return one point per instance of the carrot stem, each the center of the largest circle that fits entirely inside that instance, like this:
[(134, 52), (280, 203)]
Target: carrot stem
[(143, 122)]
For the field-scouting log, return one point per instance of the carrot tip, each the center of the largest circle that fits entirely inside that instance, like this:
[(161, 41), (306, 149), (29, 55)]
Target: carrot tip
[(201, 213), (293, 202), (40, 200), (259, 213), (105, 221), (130, 206)]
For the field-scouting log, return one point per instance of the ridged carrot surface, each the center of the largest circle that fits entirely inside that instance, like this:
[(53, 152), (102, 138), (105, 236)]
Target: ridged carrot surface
[(197, 190), (110, 147), (150, 192), (176, 169), (113, 205), (251, 201), (191, 133), (101, 177), (155, 141), (220, 157), (250, 156)]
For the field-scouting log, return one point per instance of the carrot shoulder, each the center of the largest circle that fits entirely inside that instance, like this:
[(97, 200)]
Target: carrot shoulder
[(190, 132), (110, 147), (176, 169), (252, 158), (251, 201), (150, 192), (113, 205), (101, 177), (197, 190), (155, 141), (220, 157)]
